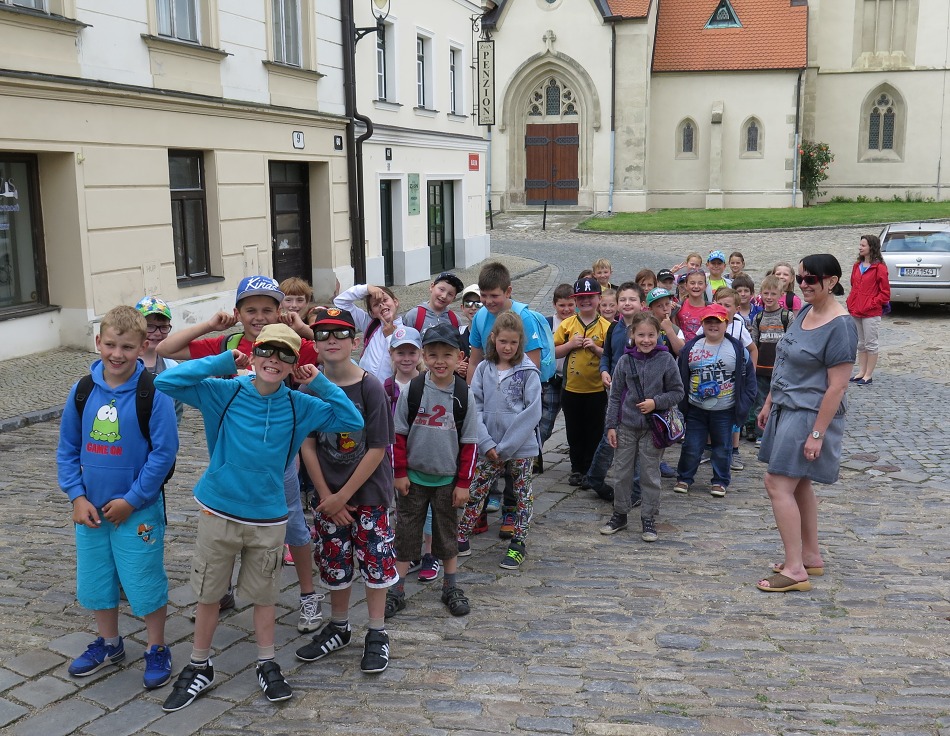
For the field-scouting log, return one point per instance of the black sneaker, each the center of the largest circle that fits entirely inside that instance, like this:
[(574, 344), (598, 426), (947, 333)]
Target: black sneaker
[(614, 524), (330, 638), (272, 682), (191, 682), (649, 530), (575, 479), (605, 492), (375, 652), (395, 602), (514, 556), (455, 601)]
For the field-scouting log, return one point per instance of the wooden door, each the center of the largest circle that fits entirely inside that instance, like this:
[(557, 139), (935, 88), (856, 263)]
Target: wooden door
[(290, 220), (551, 164), (386, 228)]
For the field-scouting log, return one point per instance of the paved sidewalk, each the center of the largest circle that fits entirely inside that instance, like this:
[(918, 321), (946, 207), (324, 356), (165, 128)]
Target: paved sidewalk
[(598, 636)]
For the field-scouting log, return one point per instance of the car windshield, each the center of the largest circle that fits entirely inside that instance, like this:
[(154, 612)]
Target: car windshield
[(919, 241)]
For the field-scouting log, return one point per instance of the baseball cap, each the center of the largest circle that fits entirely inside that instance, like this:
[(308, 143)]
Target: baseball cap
[(258, 286), (451, 279), (587, 287), (333, 317), (153, 305), (405, 336), (279, 334), (716, 255), (443, 333), (658, 293), (665, 274), (716, 311), (472, 289)]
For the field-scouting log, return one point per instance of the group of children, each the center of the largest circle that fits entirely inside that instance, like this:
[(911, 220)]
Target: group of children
[(419, 413)]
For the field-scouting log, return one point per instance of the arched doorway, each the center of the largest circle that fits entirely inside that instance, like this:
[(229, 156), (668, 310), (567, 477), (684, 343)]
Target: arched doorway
[(552, 144)]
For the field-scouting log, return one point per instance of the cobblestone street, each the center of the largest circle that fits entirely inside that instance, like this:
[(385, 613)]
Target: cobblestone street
[(596, 635)]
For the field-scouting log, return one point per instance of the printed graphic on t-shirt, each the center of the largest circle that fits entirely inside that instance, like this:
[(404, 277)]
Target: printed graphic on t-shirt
[(437, 416), (105, 427), (343, 448), (690, 319), (711, 374)]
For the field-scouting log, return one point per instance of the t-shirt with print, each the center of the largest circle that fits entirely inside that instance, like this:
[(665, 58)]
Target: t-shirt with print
[(766, 334), (340, 453), (690, 319), (205, 346), (712, 375), (582, 366)]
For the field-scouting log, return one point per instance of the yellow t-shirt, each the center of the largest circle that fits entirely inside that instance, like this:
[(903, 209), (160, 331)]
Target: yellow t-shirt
[(582, 367)]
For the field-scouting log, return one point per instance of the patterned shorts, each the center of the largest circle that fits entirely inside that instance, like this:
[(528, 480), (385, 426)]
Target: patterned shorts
[(369, 538)]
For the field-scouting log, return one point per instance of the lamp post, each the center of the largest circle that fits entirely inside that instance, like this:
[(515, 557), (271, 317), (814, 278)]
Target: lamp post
[(354, 146)]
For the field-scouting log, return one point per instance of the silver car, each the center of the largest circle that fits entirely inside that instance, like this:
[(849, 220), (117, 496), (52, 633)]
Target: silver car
[(917, 255)]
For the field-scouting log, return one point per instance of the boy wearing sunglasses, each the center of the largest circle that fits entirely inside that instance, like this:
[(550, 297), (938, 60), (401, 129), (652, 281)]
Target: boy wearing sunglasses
[(354, 481), (254, 426)]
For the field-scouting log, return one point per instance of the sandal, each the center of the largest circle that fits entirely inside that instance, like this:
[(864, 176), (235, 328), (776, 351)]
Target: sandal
[(779, 583), (455, 601), (813, 572)]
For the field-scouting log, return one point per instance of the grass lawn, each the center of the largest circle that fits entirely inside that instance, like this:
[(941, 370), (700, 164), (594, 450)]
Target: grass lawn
[(834, 213)]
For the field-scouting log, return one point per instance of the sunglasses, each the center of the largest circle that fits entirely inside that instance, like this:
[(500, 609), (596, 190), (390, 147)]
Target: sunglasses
[(471, 304), (164, 329), (283, 354), (324, 335), (808, 279)]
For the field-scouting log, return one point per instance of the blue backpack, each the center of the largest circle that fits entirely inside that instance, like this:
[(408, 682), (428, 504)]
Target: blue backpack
[(535, 325)]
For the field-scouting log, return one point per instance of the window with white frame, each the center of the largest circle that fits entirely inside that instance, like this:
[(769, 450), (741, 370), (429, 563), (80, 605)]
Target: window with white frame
[(382, 64), (454, 69), (40, 5), (178, 19), (286, 29), (421, 71)]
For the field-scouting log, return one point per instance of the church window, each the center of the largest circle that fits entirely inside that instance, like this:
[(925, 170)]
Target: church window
[(687, 139), (724, 16), (553, 99), (882, 126)]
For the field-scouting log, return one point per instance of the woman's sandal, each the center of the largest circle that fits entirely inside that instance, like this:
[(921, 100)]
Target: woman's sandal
[(779, 583), (813, 572)]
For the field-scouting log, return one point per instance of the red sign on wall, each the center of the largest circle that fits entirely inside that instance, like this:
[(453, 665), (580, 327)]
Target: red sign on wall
[(473, 161)]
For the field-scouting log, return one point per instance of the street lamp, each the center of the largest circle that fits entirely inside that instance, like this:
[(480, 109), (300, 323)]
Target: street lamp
[(354, 150)]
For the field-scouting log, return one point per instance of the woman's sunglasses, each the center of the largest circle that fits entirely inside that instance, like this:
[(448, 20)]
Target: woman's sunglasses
[(809, 279), (324, 335), (284, 354), (471, 304)]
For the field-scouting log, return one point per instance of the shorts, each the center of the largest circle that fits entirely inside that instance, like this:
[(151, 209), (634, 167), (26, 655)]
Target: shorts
[(131, 555), (868, 329), (412, 515), (219, 542), (369, 538), (298, 533)]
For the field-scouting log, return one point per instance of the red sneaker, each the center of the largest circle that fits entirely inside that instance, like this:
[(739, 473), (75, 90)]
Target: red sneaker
[(481, 526)]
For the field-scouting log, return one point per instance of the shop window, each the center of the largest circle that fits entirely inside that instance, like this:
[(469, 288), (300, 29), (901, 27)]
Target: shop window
[(22, 261)]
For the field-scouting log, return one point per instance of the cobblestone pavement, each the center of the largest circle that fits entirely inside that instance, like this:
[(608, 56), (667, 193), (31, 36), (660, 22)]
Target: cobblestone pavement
[(597, 635)]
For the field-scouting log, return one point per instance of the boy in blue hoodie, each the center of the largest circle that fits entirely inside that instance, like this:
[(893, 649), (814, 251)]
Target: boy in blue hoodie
[(254, 426), (114, 476)]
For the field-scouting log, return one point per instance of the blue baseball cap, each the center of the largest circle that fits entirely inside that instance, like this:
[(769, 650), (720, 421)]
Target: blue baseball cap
[(258, 286), (716, 255)]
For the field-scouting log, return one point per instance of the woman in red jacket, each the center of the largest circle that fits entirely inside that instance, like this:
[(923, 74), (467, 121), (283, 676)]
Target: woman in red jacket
[(870, 293)]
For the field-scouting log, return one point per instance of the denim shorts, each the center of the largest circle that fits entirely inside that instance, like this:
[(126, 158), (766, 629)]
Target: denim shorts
[(298, 533), (131, 554)]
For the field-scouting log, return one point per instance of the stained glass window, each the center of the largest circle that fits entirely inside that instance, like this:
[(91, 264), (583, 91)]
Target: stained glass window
[(752, 138), (688, 138), (552, 98), (881, 124)]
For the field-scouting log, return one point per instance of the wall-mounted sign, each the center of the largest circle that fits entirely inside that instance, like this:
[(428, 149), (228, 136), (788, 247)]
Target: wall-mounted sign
[(338, 143), (486, 83), (298, 139), (473, 162), (389, 153), (414, 201)]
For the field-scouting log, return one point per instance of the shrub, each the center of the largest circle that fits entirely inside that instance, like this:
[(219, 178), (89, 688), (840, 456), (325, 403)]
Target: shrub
[(815, 160)]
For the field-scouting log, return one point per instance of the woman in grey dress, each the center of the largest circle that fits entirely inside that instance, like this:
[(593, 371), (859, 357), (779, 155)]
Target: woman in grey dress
[(803, 418)]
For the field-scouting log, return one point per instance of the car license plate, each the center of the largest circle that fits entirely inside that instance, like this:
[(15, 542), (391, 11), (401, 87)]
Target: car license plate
[(919, 272)]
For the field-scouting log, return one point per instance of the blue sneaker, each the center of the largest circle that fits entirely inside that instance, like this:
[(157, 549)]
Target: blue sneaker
[(158, 666), (666, 471), (97, 655), (493, 505)]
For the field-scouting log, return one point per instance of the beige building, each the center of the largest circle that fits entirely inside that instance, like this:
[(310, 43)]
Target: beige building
[(627, 105), (424, 166), (167, 148)]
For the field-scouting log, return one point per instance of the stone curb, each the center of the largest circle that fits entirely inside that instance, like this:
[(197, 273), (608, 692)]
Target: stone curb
[(583, 231)]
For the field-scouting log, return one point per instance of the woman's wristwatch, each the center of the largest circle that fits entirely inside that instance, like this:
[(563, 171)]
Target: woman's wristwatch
[(817, 435)]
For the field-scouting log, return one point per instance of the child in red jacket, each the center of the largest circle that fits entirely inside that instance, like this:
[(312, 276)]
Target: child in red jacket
[(870, 294)]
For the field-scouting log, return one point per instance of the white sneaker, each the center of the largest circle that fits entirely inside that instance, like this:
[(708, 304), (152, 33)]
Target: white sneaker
[(311, 613)]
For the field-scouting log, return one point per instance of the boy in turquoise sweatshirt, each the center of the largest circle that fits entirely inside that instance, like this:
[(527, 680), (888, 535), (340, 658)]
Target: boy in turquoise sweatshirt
[(254, 426)]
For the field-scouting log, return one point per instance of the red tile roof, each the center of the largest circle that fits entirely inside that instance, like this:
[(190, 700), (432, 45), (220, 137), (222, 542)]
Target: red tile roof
[(773, 36), (629, 8)]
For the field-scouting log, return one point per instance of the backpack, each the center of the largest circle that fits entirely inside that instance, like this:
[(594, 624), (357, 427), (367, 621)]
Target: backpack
[(371, 329), (459, 400), (230, 342), (548, 364), (421, 319), (144, 397), (789, 299), (786, 320)]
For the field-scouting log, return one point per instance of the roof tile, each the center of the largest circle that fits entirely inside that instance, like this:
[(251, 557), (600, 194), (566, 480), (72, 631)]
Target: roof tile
[(629, 8), (773, 36)]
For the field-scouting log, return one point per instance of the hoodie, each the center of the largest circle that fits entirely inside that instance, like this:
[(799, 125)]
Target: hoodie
[(103, 455), (250, 445), (660, 378), (509, 409)]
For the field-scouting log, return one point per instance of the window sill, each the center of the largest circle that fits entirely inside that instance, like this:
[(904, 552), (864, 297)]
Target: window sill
[(752, 154), (386, 105), (26, 310), (880, 157), (425, 112), (289, 70), (199, 281), (183, 48), (456, 116), (26, 17), (687, 156)]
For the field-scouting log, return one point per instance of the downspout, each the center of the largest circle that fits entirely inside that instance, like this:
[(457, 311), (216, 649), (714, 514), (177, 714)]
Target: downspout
[(354, 169), (798, 122), (943, 101), (613, 114)]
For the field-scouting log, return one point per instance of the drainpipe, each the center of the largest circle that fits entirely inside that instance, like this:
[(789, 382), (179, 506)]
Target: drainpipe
[(798, 121), (354, 159), (613, 114)]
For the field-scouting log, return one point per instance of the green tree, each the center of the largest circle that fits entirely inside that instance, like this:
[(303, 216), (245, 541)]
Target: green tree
[(815, 160)]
